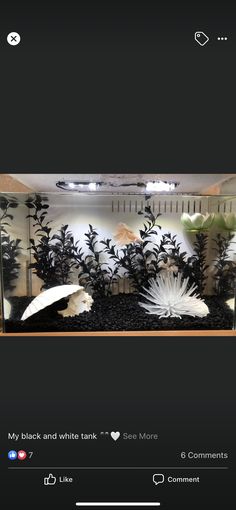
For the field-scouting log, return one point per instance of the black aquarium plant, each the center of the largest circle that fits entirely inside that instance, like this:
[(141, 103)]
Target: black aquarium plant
[(165, 255), (225, 269), (54, 254), (10, 248), (40, 247), (130, 259), (170, 254), (64, 251), (93, 271), (196, 267), (144, 260), (136, 259), (147, 259)]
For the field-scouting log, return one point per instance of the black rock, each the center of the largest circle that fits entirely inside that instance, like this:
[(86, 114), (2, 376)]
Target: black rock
[(116, 313)]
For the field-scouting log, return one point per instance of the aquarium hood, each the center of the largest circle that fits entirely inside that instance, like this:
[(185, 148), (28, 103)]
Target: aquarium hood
[(132, 183)]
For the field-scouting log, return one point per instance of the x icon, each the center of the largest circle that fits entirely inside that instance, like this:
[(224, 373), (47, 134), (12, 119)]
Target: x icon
[(13, 38)]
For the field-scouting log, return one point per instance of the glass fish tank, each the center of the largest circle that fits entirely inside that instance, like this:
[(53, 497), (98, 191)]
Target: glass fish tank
[(95, 261)]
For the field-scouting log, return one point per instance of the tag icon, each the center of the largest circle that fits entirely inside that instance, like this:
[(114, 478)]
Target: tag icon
[(201, 38)]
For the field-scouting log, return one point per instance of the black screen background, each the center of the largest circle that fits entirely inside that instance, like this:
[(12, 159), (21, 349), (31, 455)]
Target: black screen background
[(114, 88)]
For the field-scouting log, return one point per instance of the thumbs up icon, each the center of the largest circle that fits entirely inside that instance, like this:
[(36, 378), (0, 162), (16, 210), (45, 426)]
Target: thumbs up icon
[(49, 480)]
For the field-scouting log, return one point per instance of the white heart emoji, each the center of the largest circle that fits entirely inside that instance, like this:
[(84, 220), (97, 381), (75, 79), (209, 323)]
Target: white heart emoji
[(115, 435), (21, 454)]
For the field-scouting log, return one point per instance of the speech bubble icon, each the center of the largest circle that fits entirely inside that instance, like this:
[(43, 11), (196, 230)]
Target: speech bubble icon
[(158, 478)]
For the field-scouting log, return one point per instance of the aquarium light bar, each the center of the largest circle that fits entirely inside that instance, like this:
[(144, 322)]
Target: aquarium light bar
[(141, 187), (92, 186), (161, 186), (78, 186)]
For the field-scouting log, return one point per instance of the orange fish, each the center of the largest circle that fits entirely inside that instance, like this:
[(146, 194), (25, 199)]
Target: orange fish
[(124, 235)]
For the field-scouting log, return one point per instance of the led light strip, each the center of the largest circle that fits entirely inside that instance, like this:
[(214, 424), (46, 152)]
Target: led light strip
[(151, 186), (118, 504)]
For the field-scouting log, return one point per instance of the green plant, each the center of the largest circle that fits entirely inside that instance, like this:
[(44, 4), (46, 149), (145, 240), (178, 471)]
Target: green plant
[(54, 254), (10, 248), (225, 269)]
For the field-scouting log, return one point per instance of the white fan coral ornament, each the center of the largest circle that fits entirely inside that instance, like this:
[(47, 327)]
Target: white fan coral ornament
[(169, 297)]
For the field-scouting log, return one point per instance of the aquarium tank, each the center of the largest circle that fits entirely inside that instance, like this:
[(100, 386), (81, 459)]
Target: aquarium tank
[(91, 261)]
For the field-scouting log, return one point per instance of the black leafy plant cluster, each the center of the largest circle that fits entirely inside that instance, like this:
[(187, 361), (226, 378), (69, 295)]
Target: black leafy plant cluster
[(142, 261), (10, 248), (225, 269), (94, 272), (54, 254), (56, 257), (196, 266), (137, 260)]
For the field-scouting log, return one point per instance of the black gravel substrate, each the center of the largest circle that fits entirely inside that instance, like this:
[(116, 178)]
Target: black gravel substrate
[(116, 313)]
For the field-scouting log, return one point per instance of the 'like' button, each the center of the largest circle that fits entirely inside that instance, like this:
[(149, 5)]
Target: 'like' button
[(49, 480)]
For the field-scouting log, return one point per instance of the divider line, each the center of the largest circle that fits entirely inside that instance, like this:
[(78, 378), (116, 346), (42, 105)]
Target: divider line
[(117, 504), (153, 468)]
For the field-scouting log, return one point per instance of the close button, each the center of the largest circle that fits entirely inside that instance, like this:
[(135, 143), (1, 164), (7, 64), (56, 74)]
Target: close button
[(13, 38)]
